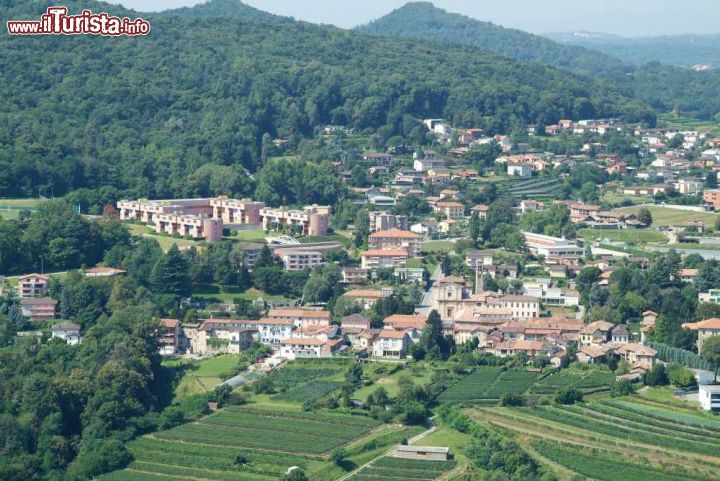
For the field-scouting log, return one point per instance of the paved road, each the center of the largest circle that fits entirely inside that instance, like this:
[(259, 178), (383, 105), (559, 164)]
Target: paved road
[(426, 304)]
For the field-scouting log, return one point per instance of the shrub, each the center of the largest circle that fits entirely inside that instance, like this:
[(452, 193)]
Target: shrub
[(511, 399), (568, 396)]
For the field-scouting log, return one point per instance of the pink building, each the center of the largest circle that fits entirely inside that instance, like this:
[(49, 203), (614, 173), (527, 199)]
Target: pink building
[(396, 239), (33, 285), (39, 308), (147, 210), (190, 226), (311, 220), (233, 211)]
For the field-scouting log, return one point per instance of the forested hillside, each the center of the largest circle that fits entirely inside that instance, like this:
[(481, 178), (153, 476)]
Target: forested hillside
[(666, 88), (183, 111)]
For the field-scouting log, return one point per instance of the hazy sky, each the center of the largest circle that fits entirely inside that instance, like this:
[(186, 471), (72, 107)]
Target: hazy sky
[(621, 17)]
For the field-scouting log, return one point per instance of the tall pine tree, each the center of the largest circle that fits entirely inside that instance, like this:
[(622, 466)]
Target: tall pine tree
[(170, 274)]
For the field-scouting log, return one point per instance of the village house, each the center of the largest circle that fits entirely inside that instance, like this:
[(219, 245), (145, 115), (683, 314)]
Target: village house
[(366, 298), (33, 285), (481, 210), (67, 331), (354, 275), (169, 337), (306, 348), (591, 354), (522, 171), (299, 259), (450, 210), (596, 333), (391, 344), (38, 308), (516, 346), (705, 329), (637, 355)]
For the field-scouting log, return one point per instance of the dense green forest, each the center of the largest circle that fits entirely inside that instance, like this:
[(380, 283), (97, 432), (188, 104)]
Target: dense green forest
[(679, 50), (183, 111), (665, 88)]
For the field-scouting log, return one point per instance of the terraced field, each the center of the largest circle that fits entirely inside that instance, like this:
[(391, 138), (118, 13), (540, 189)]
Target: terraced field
[(389, 468), (536, 188), (612, 439), (242, 444), (488, 384), (583, 380)]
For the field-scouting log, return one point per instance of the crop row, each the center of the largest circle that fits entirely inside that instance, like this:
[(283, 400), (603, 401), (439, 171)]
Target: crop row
[(622, 432), (512, 381), (126, 475), (199, 473), (649, 420), (311, 392), (673, 416), (281, 425), (602, 468), (471, 387), (289, 377), (315, 416), (413, 464), (579, 380), (643, 426), (250, 438)]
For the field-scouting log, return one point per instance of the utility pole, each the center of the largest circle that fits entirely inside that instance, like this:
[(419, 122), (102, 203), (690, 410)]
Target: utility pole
[(42, 265)]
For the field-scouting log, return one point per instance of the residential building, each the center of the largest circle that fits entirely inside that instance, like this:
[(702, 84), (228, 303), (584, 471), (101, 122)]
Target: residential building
[(354, 275), (620, 334), (481, 211), (409, 274), (302, 318), (366, 298), (478, 258), (299, 259), (689, 275), (38, 308), (516, 346), (147, 210), (169, 337), (383, 221), (33, 285), (396, 239), (591, 354), (306, 348), (637, 355), (705, 329), (188, 225), (712, 296), (522, 307), (355, 321), (709, 397), (234, 211), (391, 344), (712, 196), (379, 258), (596, 333), (522, 171), (450, 209), (312, 220), (67, 331)]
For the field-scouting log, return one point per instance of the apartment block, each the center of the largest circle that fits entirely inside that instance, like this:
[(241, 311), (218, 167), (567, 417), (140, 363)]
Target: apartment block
[(189, 226), (299, 259), (233, 211), (380, 221), (311, 220), (450, 209), (148, 210), (395, 239)]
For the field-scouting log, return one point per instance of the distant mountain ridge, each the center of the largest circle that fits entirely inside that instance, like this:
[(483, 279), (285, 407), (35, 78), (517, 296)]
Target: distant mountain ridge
[(224, 8), (424, 21), (679, 50)]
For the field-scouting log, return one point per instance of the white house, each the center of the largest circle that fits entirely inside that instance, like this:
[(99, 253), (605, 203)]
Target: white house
[(522, 171), (297, 348), (709, 397), (393, 344), (67, 331)]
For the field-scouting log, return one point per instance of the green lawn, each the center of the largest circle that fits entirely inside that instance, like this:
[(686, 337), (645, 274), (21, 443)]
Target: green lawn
[(9, 214), (663, 216), (613, 198), (437, 246), (202, 376), (623, 235), (255, 235), (390, 382), (30, 203), (165, 241)]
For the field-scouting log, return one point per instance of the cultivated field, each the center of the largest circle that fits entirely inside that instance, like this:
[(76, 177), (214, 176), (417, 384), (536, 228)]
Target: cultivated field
[(488, 384), (389, 468), (243, 444), (623, 235), (663, 216), (625, 438)]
